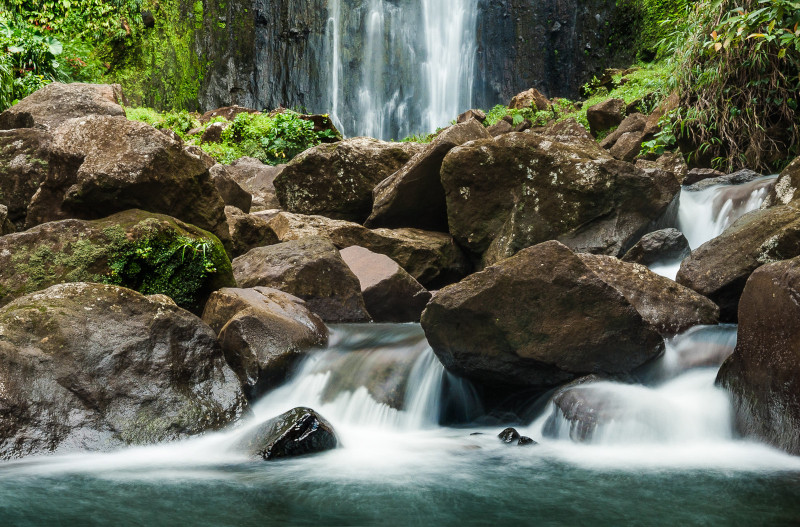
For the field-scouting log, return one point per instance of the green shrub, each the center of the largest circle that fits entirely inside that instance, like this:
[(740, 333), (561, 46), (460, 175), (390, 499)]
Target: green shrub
[(737, 74), (180, 122)]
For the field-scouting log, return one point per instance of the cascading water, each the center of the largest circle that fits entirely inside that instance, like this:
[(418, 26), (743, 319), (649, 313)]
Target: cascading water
[(704, 213), (399, 68)]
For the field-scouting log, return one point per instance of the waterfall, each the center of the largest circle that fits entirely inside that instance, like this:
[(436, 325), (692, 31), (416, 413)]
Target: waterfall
[(399, 68), (703, 214)]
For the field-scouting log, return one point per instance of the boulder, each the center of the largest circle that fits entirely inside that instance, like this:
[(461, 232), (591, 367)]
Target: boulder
[(56, 103), (336, 180), (500, 128), (605, 115), (785, 190), (6, 227), (298, 432), (469, 115), (230, 191), (390, 293), (538, 319), (521, 189), (248, 231), (256, 178), (631, 124), (719, 268), (196, 151), (509, 435), (763, 374), (737, 178), (24, 165), (213, 133), (310, 268), (697, 175), (584, 406), (413, 196), (531, 98), (659, 246), (99, 367), (673, 163), (263, 333), (668, 307), (151, 253), (432, 258), (567, 131), (102, 165)]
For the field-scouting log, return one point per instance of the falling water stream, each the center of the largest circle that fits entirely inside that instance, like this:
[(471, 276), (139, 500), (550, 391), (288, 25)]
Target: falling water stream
[(413, 61)]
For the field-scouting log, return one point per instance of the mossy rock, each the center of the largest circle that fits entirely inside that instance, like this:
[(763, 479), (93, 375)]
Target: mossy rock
[(150, 253)]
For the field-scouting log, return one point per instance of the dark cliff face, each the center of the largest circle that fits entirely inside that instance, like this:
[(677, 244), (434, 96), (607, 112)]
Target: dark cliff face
[(270, 53), (555, 46)]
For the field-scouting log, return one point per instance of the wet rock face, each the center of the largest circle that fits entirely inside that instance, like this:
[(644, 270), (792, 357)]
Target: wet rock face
[(102, 165), (298, 432), (574, 323), (719, 269), (56, 103), (390, 293), (413, 196), (521, 189), (763, 374), (263, 333), (24, 165), (136, 249), (659, 246), (432, 258), (310, 268), (337, 180), (98, 367)]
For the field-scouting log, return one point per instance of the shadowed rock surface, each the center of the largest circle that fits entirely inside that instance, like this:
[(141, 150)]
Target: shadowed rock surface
[(298, 432)]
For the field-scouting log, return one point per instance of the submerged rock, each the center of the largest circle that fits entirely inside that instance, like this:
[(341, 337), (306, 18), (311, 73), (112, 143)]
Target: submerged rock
[(522, 189), (101, 165), (509, 435), (763, 373), (55, 103), (298, 432), (432, 258), (264, 333), (310, 268), (151, 253), (98, 367), (390, 293), (571, 323), (719, 268), (336, 180)]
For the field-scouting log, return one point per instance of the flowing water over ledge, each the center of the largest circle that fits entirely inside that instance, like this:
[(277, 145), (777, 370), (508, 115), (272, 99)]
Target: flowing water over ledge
[(667, 457)]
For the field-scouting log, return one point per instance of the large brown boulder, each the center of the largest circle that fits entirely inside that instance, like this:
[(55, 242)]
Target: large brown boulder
[(413, 196), (151, 253), (719, 269), (50, 106), (98, 367), (390, 293), (336, 180), (256, 178), (763, 374), (605, 115), (521, 189), (24, 165), (231, 192), (248, 231), (667, 306), (310, 268), (785, 190), (263, 333), (531, 98), (663, 245), (432, 258), (102, 165), (538, 319)]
